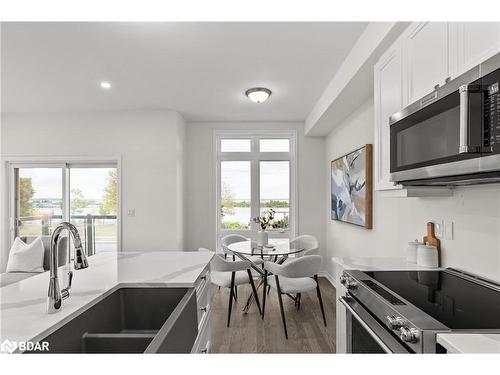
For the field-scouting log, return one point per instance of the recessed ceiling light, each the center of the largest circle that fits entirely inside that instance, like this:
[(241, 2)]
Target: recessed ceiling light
[(258, 94), (105, 85)]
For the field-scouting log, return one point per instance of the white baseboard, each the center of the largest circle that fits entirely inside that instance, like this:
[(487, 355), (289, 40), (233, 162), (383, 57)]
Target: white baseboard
[(327, 275)]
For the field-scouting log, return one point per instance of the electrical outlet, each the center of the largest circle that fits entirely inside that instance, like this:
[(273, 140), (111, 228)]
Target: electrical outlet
[(131, 212)]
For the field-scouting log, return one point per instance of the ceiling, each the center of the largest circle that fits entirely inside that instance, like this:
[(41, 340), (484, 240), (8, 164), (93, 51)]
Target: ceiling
[(198, 69)]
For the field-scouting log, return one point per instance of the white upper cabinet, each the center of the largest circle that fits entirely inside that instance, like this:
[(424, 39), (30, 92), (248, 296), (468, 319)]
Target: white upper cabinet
[(471, 43), (388, 100), (425, 54)]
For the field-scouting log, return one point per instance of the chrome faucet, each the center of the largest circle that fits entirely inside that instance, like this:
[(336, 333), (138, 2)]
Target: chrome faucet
[(55, 294)]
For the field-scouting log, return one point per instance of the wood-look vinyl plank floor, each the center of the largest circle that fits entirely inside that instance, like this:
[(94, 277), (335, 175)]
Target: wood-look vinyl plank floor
[(248, 333)]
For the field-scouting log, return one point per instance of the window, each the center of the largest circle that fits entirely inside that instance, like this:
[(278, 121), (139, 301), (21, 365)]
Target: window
[(274, 145), (85, 195), (38, 200), (255, 173), (235, 145), (235, 194), (94, 206), (275, 191)]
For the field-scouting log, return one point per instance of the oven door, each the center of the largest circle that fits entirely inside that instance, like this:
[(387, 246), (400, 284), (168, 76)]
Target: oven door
[(364, 334)]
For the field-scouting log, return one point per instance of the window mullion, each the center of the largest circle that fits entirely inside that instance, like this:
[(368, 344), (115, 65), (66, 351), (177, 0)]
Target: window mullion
[(66, 194), (255, 181), (255, 190)]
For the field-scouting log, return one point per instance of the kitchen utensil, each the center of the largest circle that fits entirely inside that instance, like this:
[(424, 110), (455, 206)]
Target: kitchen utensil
[(431, 240)]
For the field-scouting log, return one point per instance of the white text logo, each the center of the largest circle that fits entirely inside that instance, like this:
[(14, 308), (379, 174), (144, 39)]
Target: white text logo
[(8, 346)]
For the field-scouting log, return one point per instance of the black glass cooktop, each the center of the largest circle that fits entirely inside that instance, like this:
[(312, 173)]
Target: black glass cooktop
[(456, 302)]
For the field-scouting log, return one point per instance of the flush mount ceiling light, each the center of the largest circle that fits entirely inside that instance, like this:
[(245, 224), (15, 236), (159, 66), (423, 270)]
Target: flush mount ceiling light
[(105, 85), (258, 94)]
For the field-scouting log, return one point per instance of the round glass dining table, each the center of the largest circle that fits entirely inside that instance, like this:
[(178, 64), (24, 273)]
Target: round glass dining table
[(278, 250), (278, 247)]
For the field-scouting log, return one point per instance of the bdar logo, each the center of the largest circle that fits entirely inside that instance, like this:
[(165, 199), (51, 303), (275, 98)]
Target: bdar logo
[(8, 346)]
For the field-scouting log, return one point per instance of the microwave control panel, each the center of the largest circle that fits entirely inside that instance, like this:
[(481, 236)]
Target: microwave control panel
[(492, 116)]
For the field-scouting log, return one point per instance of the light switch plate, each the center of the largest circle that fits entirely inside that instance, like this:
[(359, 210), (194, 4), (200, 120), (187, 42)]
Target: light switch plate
[(448, 229), (131, 212)]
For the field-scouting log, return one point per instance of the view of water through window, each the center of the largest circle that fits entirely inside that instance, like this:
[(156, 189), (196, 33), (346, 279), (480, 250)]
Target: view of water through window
[(236, 184), (92, 204)]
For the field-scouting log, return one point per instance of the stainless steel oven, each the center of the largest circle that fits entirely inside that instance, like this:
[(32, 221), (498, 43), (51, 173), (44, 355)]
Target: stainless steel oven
[(364, 334), (452, 135), (404, 311)]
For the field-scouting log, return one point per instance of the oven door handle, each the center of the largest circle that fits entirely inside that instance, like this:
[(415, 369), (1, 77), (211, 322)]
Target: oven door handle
[(398, 348)]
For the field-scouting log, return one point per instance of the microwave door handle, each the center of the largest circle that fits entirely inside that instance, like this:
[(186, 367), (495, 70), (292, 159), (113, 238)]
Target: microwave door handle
[(466, 145)]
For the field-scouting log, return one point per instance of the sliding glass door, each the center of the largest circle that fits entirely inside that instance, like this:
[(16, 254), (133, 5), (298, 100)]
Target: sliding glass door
[(83, 194)]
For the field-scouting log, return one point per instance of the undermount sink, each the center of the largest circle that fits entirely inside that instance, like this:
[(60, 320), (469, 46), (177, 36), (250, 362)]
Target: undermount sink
[(132, 320)]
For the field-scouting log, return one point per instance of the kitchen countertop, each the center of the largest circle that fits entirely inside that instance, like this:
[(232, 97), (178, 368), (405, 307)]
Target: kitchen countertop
[(23, 305), (378, 264), (471, 343)]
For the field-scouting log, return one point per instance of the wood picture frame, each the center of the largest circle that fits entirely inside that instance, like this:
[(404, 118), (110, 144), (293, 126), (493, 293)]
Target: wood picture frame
[(351, 187)]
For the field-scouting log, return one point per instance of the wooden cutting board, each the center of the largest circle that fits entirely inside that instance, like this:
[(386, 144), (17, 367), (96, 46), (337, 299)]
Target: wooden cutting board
[(431, 240)]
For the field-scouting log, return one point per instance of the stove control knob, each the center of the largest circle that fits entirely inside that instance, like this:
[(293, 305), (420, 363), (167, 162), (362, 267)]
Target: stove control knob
[(343, 279), (395, 322), (408, 334), (351, 284)]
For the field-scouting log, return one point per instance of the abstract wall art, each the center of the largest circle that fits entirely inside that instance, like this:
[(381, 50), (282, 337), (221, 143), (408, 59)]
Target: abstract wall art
[(351, 187)]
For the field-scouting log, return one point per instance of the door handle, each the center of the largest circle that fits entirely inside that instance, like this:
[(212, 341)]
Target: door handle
[(470, 140)]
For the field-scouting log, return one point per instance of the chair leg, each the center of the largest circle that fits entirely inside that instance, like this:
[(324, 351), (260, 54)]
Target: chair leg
[(299, 296), (231, 288), (254, 290), (235, 292), (278, 289), (225, 256), (318, 292), (264, 294)]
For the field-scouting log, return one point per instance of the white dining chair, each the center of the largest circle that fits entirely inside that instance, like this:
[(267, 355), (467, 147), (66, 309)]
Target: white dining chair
[(227, 274), (307, 242), (233, 238), (293, 278)]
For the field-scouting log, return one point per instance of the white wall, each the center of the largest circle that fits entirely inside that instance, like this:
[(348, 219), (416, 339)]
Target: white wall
[(475, 212), (151, 147), (200, 200)]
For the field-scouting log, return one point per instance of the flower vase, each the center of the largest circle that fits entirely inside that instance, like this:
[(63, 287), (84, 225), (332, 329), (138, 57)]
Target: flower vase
[(262, 238)]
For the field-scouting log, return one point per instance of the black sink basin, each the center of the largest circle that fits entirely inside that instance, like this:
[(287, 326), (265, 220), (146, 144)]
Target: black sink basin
[(132, 320)]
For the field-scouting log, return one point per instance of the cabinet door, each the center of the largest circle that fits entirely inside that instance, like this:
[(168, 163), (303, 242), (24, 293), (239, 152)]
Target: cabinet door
[(471, 43), (426, 58), (388, 100)]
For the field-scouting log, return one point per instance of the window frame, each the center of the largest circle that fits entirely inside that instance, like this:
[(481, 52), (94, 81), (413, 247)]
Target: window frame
[(255, 157), (65, 163)]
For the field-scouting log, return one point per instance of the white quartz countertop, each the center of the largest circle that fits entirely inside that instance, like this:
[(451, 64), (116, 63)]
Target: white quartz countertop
[(378, 264), (470, 343), (23, 314)]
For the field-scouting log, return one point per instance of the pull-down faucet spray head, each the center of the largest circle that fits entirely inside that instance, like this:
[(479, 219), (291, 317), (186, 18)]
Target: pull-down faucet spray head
[(55, 294)]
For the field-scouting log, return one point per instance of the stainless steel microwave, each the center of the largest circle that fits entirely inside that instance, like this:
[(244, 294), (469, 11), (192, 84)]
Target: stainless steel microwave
[(452, 135)]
